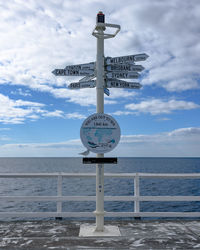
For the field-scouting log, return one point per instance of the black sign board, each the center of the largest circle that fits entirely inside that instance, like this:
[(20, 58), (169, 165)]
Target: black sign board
[(94, 160)]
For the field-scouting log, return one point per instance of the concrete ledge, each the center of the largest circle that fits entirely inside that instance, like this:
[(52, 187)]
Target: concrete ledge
[(135, 235), (87, 230)]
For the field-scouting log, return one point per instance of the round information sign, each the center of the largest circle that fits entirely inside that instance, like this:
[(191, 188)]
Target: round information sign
[(100, 133)]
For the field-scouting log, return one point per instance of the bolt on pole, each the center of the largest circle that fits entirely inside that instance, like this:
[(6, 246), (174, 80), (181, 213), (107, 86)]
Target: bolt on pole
[(100, 83)]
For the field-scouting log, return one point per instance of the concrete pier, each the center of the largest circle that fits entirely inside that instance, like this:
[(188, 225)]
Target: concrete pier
[(50, 234)]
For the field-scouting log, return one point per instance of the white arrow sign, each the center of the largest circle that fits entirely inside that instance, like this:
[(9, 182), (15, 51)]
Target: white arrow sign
[(72, 72), (128, 67), (123, 74), (84, 66), (115, 83), (127, 59), (81, 85)]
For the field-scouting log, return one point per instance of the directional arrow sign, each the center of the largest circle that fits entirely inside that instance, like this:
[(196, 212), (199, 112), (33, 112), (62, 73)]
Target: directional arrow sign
[(127, 59), (72, 72), (123, 74), (81, 85), (106, 91), (128, 67), (84, 66), (115, 83)]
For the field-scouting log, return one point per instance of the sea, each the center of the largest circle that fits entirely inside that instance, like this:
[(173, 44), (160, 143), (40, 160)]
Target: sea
[(112, 186)]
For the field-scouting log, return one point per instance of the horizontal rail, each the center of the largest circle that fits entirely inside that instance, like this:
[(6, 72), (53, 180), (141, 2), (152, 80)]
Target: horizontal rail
[(93, 198), (45, 214), (88, 175), (152, 214), (168, 198), (91, 214), (167, 175), (48, 175), (136, 198)]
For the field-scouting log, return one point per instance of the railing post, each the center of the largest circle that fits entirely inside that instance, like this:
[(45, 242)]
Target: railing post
[(136, 193), (59, 194)]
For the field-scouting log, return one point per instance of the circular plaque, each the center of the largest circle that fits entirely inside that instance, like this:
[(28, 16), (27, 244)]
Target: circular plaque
[(100, 133)]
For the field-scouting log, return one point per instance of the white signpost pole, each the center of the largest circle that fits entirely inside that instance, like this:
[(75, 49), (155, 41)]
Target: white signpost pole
[(100, 109), (100, 35), (116, 67)]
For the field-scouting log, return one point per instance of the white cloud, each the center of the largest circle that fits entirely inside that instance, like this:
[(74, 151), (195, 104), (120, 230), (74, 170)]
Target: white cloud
[(182, 132), (83, 97), (17, 111), (177, 134), (63, 149), (182, 84), (75, 115), (56, 113), (172, 42), (21, 92), (182, 142), (4, 129), (158, 106), (37, 37), (4, 138), (163, 119), (86, 97), (122, 113)]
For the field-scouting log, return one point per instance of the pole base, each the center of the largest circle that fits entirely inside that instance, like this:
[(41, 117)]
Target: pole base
[(88, 230)]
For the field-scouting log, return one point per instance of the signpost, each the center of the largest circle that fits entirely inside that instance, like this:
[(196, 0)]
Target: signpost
[(127, 59), (72, 72), (122, 67), (81, 85), (98, 32), (84, 66), (100, 133), (122, 74), (115, 83)]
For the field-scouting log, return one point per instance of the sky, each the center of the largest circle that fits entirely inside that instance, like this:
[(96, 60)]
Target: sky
[(41, 117)]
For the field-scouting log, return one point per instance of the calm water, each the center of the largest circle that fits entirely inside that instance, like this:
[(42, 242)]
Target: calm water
[(113, 186)]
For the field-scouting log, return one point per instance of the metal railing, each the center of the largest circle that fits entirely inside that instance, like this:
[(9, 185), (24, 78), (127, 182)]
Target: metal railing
[(136, 198)]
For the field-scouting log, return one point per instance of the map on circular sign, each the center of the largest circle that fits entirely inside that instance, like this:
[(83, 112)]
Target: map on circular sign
[(100, 133)]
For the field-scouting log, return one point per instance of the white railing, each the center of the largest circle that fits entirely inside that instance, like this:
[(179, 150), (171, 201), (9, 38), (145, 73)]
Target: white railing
[(137, 198)]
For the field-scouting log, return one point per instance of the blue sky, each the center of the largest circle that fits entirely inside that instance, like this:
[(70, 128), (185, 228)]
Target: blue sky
[(40, 116)]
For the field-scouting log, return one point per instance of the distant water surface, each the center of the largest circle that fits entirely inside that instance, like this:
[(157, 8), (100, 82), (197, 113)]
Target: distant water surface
[(113, 186)]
